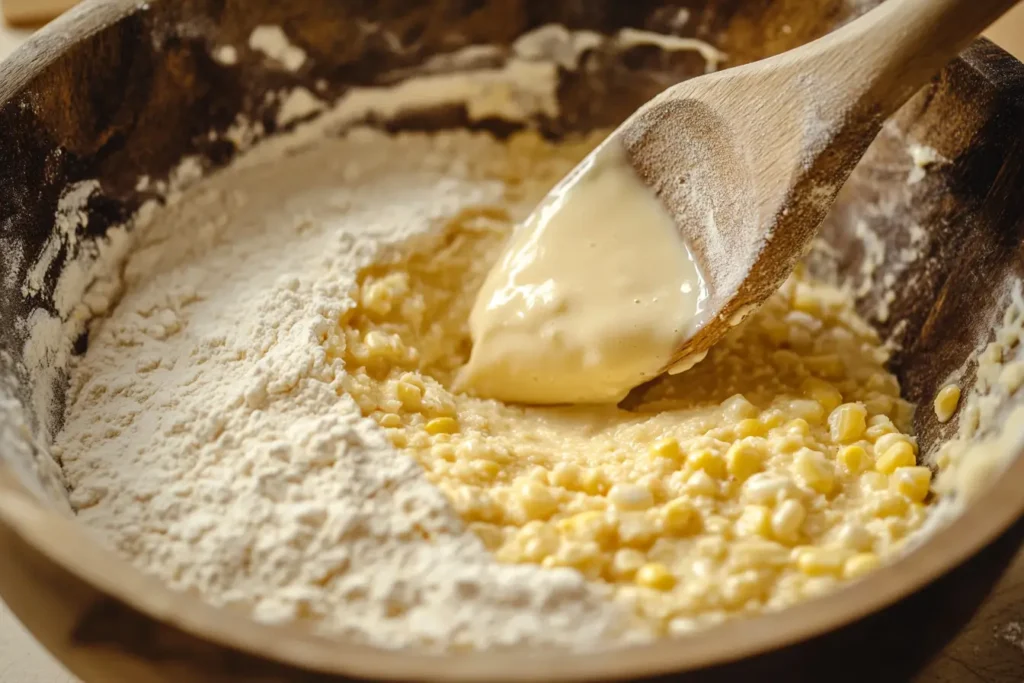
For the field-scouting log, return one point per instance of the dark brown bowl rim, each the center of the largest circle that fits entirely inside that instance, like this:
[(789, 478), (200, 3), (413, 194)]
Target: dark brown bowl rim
[(64, 542)]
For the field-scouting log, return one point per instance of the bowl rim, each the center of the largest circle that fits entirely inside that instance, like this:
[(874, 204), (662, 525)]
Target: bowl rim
[(60, 539)]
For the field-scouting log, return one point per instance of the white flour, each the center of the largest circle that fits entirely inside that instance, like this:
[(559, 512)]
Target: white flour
[(208, 439)]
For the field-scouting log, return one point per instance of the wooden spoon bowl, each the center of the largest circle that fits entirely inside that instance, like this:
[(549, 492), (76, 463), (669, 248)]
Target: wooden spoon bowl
[(121, 88)]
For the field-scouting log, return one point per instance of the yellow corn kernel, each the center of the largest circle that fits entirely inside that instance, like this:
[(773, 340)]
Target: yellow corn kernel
[(788, 519), (946, 402), (823, 392), (630, 497), (814, 471), (591, 525), (567, 475), (680, 518), (744, 587), (854, 459), (409, 394), (537, 542), (798, 427), (848, 422), (860, 564), (486, 469), (807, 410), (737, 407), (771, 419), (757, 554), (900, 454), (655, 576), (700, 483), (887, 441), (441, 425), (750, 427), (756, 520), (912, 482), (594, 482), (878, 426), (744, 459), (821, 561), (667, 448), (709, 462), (537, 500), (887, 504), (390, 420)]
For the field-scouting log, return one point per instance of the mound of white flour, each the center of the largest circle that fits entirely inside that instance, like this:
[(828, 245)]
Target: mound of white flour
[(208, 440)]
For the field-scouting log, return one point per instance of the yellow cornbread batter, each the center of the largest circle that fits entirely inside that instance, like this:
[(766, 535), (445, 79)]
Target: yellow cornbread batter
[(773, 470)]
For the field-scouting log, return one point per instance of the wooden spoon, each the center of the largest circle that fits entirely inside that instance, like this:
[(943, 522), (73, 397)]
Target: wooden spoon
[(750, 159)]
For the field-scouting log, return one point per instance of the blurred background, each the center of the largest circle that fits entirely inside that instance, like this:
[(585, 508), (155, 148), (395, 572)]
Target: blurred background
[(990, 650)]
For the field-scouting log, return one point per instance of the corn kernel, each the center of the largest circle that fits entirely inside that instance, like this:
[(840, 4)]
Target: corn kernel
[(587, 526), (750, 427), (744, 459), (680, 518), (814, 471), (787, 520), (808, 410), (821, 561), (854, 537), (700, 483), (390, 420), (709, 462), (853, 459), (848, 422), (900, 454), (667, 448), (756, 520), (887, 504), (486, 469), (537, 500), (409, 394), (860, 564), (630, 497), (946, 402), (655, 576), (771, 419), (442, 425), (887, 441), (823, 392), (567, 475), (912, 482), (737, 407)]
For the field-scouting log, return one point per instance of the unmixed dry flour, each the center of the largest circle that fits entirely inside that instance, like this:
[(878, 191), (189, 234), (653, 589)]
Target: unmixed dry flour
[(208, 439)]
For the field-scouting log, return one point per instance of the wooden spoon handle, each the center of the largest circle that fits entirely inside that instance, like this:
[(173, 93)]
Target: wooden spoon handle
[(897, 47)]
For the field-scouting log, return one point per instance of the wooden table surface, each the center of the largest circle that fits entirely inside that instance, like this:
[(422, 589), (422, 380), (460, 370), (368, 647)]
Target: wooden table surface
[(989, 650)]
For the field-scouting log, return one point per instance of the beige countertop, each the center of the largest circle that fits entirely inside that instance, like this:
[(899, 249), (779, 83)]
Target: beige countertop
[(989, 650)]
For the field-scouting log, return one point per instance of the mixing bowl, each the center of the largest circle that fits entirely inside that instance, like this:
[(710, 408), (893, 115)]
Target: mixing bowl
[(120, 89)]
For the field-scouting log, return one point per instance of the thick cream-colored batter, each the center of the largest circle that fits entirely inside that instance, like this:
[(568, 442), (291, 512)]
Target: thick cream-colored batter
[(774, 470), (592, 296)]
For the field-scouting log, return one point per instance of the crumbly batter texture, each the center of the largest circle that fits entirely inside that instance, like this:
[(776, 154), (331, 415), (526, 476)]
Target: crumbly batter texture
[(217, 430), (771, 472)]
